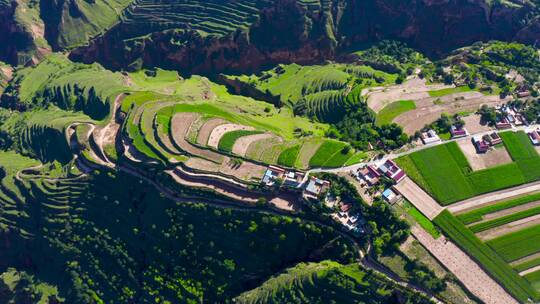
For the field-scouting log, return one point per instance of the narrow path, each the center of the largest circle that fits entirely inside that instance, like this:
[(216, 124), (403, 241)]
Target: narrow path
[(530, 270), (493, 197)]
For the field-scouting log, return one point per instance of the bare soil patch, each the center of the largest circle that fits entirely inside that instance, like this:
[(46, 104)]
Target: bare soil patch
[(206, 130), (242, 144), (427, 112), (509, 228), (413, 89), (219, 131), (180, 124), (7, 71), (419, 198), (247, 171), (306, 152), (479, 161), (257, 148), (475, 279), (473, 125)]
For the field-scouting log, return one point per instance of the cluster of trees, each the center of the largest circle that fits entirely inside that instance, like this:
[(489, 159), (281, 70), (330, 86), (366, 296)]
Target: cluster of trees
[(387, 230), (358, 128)]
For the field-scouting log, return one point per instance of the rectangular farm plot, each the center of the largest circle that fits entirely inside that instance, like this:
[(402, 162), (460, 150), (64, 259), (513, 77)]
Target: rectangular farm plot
[(518, 244), (445, 172)]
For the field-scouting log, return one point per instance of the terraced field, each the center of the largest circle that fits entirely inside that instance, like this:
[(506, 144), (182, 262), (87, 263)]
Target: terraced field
[(323, 92)]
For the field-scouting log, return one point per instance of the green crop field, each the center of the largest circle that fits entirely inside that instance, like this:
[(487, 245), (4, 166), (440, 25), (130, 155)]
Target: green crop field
[(517, 244), (436, 168), (393, 110), (527, 265), (477, 214), (534, 279), (226, 142), (326, 152), (444, 92), (504, 220), (486, 256), (288, 156), (421, 219)]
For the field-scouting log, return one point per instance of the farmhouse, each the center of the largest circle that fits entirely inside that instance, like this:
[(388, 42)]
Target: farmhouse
[(492, 139), (273, 174), (315, 187), (535, 137), (480, 144), (370, 175), (390, 196), (430, 137), (458, 132), (391, 170), (503, 123), (293, 179)]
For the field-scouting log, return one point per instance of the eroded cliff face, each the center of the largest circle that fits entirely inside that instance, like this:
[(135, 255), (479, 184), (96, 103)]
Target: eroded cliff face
[(22, 33), (287, 32)]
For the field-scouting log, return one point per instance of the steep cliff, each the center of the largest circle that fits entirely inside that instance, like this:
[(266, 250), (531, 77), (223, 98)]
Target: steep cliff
[(291, 31)]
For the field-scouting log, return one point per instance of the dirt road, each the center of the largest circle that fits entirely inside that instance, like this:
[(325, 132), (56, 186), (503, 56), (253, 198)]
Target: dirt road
[(477, 281), (419, 198)]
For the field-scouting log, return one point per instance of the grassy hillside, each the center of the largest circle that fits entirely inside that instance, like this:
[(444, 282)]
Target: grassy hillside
[(328, 282), (68, 85), (103, 228), (318, 91), (75, 22)]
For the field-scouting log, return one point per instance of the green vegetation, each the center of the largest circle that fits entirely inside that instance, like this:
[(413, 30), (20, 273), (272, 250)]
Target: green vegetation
[(326, 93), (504, 220), (436, 168), (477, 214), (527, 265), (228, 139), (421, 219), (288, 156), (534, 278), (328, 282), (70, 86), (448, 91), (517, 244), (393, 110), (331, 153), (488, 258), (119, 221)]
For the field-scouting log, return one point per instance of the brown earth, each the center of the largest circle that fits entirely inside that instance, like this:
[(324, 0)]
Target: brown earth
[(473, 277), (219, 131), (427, 112), (242, 144), (473, 125), (479, 161), (180, 125), (206, 130)]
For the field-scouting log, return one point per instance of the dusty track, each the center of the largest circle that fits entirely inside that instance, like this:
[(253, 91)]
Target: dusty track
[(419, 198), (464, 268)]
